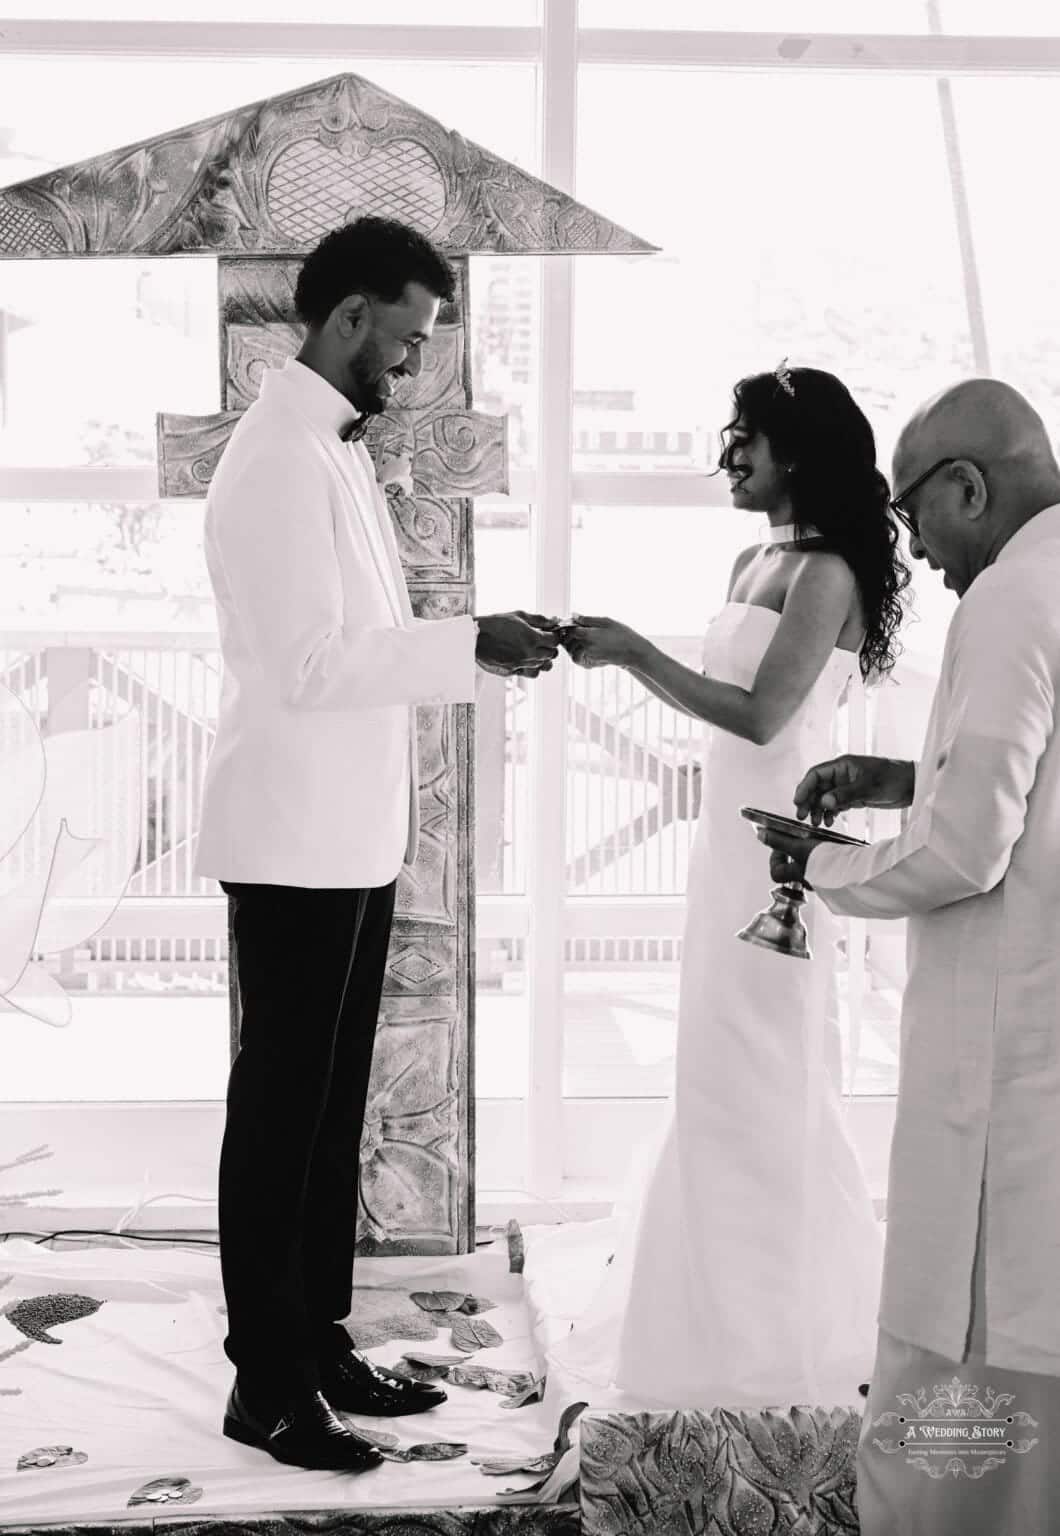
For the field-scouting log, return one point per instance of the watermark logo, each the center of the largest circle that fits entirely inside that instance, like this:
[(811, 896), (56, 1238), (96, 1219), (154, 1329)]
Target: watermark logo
[(956, 1431)]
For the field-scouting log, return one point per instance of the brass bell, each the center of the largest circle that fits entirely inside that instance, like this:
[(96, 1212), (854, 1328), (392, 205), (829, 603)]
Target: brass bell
[(780, 927)]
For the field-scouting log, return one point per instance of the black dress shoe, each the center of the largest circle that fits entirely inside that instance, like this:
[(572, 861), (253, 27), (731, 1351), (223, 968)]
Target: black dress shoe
[(303, 1432), (355, 1385)]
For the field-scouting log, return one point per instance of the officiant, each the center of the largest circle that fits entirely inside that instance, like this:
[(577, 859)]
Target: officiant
[(971, 1285)]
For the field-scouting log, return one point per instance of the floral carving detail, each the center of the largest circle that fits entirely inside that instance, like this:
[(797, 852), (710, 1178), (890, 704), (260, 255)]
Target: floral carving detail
[(373, 1135), (410, 1158), (271, 177), (725, 1472)]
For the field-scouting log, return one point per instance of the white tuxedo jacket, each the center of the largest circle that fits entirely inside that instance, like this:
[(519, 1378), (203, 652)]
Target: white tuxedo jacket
[(312, 779), (977, 872)]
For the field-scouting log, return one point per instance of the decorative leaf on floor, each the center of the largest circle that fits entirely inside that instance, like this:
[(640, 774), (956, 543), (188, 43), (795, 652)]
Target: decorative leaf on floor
[(508, 1383), (418, 1357), (439, 1450), (568, 1419), (561, 1486), (381, 1313), (406, 1372), (50, 1456), (471, 1333), (534, 1393), (504, 1466), (439, 1301), (35, 1315), (516, 1248), (166, 1490), (472, 1305), (379, 1437), (500, 1465)]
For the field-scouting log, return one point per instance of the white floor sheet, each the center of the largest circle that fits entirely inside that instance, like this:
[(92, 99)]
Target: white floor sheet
[(134, 1380)]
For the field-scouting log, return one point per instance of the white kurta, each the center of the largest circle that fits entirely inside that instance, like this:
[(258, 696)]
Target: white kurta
[(312, 780), (977, 872)]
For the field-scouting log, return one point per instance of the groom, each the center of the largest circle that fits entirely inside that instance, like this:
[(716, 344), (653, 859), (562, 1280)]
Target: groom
[(971, 1284), (310, 808)]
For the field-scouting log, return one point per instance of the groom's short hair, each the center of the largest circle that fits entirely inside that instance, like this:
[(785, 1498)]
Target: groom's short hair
[(371, 256)]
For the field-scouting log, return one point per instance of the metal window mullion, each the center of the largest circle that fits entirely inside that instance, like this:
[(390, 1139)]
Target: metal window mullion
[(660, 47), (973, 296), (552, 546), (811, 52), (272, 39)]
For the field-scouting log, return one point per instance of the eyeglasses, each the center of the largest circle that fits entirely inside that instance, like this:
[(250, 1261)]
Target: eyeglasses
[(901, 512)]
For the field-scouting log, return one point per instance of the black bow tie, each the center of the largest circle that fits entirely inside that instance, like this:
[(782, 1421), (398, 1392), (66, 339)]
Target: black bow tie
[(355, 430)]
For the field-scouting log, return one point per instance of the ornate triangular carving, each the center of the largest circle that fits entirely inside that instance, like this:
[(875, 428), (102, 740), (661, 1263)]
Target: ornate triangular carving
[(272, 178)]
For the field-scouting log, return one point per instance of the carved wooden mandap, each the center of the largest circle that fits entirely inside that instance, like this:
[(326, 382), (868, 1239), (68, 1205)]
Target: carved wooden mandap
[(257, 187)]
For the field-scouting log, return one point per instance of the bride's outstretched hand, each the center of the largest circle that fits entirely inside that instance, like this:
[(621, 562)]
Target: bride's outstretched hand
[(600, 642)]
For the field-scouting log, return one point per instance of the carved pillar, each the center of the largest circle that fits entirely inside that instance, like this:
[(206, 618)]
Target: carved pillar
[(417, 1183), (257, 187)]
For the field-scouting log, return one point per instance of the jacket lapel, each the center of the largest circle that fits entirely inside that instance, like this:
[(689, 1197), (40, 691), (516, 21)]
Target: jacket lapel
[(360, 486), (380, 514)]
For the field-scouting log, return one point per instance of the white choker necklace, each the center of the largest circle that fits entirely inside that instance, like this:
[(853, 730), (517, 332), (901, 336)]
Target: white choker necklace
[(786, 533)]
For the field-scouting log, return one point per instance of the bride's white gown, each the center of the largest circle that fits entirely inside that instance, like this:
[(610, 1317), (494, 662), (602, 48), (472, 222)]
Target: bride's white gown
[(750, 1274)]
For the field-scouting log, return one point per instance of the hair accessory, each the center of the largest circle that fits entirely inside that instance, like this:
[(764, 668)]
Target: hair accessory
[(782, 374)]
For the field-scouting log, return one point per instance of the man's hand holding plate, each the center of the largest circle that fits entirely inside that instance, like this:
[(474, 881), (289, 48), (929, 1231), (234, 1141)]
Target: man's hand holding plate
[(789, 853)]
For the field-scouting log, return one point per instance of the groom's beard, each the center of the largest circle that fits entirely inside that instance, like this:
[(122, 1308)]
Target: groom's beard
[(365, 375)]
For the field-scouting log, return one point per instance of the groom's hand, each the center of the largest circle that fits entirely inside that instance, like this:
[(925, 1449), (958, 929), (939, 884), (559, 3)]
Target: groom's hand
[(516, 642)]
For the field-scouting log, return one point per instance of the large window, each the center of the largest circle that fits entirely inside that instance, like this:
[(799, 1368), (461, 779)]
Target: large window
[(779, 235), (868, 205)]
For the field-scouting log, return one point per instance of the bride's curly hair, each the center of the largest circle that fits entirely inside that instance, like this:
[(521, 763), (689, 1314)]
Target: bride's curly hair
[(820, 433)]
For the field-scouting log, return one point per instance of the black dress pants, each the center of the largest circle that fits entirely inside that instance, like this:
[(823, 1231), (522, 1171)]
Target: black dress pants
[(310, 965)]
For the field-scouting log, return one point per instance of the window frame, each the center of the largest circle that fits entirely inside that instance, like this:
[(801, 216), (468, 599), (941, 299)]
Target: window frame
[(525, 1167)]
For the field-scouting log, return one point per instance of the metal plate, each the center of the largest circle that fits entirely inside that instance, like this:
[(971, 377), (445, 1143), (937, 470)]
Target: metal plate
[(777, 823)]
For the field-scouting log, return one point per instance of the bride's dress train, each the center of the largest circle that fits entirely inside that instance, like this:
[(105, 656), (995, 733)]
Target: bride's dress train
[(747, 1272)]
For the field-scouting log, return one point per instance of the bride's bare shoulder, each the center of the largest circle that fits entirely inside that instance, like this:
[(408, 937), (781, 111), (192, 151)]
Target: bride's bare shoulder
[(743, 559)]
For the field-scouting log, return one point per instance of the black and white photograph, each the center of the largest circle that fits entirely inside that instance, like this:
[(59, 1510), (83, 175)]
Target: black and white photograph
[(529, 768)]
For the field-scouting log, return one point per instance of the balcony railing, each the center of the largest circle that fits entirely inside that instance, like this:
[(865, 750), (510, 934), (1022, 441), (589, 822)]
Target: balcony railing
[(633, 790), (633, 793), (633, 787)]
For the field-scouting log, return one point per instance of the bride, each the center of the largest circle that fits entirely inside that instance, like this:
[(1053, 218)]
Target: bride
[(750, 1275)]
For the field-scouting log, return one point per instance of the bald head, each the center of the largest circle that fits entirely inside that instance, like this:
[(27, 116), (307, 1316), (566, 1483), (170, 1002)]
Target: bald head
[(980, 419), (985, 466)]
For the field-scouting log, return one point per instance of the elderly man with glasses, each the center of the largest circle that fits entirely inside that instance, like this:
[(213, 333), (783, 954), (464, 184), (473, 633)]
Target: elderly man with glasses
[(970, 1304)]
